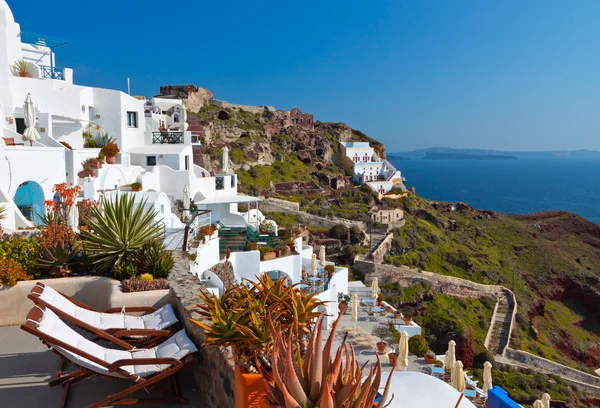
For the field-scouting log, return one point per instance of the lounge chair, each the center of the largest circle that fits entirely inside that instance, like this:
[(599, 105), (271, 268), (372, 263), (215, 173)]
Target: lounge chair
[(113, 325), (144, 367)]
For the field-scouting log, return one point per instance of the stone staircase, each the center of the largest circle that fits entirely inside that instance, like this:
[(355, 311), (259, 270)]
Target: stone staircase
[(501, 325)]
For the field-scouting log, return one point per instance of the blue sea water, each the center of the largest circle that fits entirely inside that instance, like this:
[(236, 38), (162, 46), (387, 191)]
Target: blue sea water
[(511, 186)]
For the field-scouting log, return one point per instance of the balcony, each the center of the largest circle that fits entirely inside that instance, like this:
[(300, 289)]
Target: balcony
[(51, 73), (167, 137)]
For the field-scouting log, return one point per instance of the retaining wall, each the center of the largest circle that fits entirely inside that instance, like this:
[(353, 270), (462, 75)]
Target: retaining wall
[(382, 248)]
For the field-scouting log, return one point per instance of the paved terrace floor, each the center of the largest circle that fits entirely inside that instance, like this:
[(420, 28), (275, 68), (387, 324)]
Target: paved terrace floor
[(27, 365)]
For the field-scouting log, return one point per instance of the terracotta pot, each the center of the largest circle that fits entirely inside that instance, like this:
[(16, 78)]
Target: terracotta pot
[(136, 188), (278, 253), (24, 74), (84, 173), (249, 390), (388, 309), (92, 165), (269, 255), (397, 315), (408, 320), (340, 307), (393, 357), (427, 359), (111, 159), (381, 347), (379, 303)]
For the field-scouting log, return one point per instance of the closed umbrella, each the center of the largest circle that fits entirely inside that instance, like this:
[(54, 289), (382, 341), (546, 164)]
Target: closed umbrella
[(225, 160), (450, 355), (313, 265), (74, 217), (186, 201), (538, 404), (184, 125), (354, 316), (322, 255), (487, 376), (458, 377), (403, 349), (546, 400), (30, 133), (374, 288)]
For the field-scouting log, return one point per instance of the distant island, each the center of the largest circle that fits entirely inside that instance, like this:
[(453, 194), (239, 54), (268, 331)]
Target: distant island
[(466, 156), (480, 154)]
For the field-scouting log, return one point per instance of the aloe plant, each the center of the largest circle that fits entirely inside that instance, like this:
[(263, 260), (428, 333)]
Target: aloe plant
[(20, 66), (153, 259), (117, 234), (240, 319), (317, 380)]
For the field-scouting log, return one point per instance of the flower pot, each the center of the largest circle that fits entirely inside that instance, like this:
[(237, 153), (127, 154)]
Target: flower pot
[(393, 357), (379, 303), (388, 309), (24, 74), (111, 159), (136, 188), (381, 347), (278, 253), (249, 390), (84, 173), (269, 255), (408, 320), (428, 360), (342, 306), (397, 315)]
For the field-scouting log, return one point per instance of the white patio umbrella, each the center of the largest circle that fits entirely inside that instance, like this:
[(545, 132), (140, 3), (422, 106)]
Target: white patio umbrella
[(538, 404), (374, 288), (184, 125), (30, 133), (186, 201), (546, 400), (487, 376), (225, 160), (313, 265), (74, 217), (403, 349), (322, 255), (450, 355), (354, 316), (458, 377)]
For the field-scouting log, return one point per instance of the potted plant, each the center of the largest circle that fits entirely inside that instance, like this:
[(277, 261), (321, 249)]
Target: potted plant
[(343, 301), (137, 187), (20, 67), (244, 317), (266, 227), (407, 320), (329, 269), (101, 158), (429, 357), (91, 163), (380, 299), (397, 315), (381, 346), (110, 151), (267, 253), (253, 246), (393, 357)]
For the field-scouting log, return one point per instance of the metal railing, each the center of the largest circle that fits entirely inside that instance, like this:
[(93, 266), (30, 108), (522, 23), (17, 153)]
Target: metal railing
[(167, 137), (198, 219), (52, 73)]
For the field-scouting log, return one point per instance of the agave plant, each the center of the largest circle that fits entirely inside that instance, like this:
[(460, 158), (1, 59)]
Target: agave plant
[(317, 380), (240, 318), (117, 233), (103, 138)]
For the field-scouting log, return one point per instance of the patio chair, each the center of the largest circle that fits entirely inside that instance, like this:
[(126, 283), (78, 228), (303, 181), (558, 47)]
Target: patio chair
[(144, 367), (113, 325)]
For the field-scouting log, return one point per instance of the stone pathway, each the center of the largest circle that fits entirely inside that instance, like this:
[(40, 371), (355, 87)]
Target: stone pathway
[(501, 329)]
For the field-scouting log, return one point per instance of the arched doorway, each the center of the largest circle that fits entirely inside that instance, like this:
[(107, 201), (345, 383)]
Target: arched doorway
[(29, 198)]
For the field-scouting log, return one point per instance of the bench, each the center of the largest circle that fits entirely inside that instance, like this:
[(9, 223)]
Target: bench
[(10, 141)]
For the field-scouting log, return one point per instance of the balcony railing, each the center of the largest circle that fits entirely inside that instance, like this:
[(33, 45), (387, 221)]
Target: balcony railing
[(52, 73), (167, 137)]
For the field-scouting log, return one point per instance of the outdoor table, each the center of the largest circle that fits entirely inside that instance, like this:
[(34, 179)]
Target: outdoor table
[(470, 393), (368, 300), (377, 309), (314, 278), (303, 286), (438, 371)]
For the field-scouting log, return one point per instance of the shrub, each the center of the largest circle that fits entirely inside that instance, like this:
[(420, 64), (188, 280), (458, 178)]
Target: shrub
[(136, 284), (237, 155), (153, 259), (11, 272), (24, 251), (101, 156), (339, 231), (252, 172), (482, 357), (465, 349), (146, 277), (124, 270), (418, 345)]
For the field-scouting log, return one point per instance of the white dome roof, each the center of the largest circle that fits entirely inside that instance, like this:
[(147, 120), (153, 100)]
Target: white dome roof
[(7, 12), (417, 390)]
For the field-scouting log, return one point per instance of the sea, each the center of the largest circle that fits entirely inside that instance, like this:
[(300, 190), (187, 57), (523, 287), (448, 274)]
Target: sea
[(519, 186)]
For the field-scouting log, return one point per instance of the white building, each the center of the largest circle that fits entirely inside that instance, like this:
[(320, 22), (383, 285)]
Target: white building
[(361, 162)]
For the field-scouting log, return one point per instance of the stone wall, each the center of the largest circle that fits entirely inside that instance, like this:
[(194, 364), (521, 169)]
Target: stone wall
[(194, 98), (213, 370), (440, 283), (550, 367), (276, 205), (225, 104), (382, 248)]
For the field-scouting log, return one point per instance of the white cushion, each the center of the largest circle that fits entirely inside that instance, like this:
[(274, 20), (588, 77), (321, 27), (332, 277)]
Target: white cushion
[(157, 320), (177, 346)]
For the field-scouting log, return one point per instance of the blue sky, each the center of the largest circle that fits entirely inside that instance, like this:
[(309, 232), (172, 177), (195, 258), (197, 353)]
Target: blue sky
[(504, 74)]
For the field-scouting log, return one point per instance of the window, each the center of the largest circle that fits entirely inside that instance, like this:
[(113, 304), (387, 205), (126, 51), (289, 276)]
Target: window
[(162, 208), (219, 183), (176, 117), (150, 160), (187, 162), (132, 119), (233, 181)]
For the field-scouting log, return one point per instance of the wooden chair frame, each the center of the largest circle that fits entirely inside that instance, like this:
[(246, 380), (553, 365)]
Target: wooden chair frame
[(150, 382), (144, 338)]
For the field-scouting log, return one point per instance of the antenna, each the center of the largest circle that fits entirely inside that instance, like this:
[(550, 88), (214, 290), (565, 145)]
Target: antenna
[(128, 87)]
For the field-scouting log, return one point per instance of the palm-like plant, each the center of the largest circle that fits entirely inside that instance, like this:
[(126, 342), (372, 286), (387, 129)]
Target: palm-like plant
[(118, 231), (317, 380)]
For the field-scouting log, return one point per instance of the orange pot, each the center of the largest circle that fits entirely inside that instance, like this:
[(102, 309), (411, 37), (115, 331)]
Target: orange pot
[(111, 159), (250, 390), (381, 347)]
